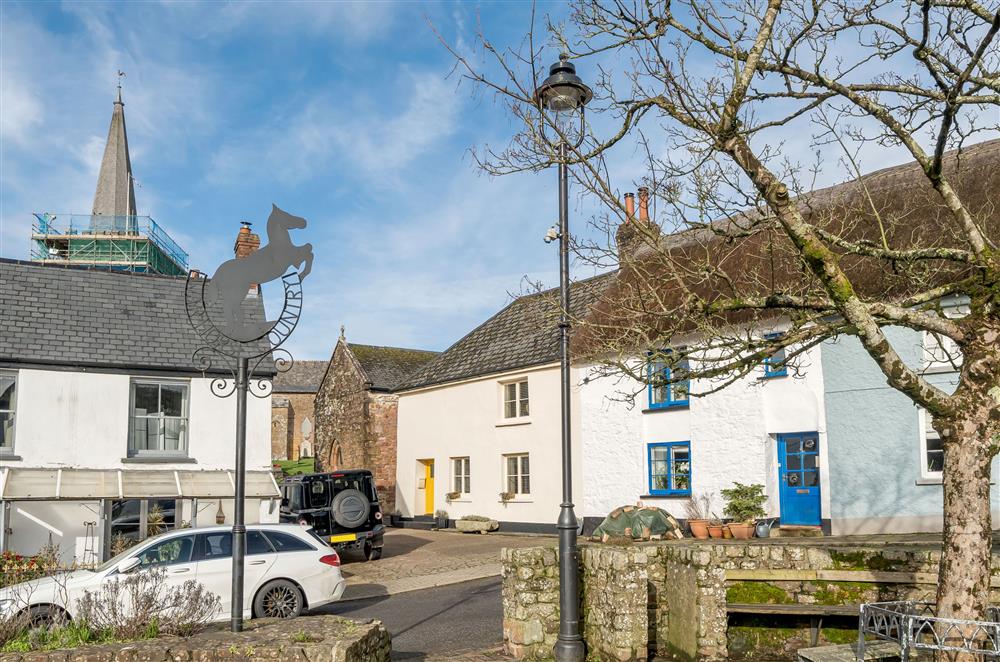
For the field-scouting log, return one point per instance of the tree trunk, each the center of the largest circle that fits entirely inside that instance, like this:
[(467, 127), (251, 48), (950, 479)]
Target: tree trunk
[(964, 578)]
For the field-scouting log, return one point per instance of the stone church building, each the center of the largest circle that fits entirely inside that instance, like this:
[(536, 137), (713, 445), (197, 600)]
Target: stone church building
[(356, 408), (293, 424)]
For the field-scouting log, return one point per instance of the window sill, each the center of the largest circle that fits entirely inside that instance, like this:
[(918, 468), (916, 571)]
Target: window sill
[(655, 410), (507, 422), (458, 500), (159, 459), (507, 503), (928, 480), (777, 375), (686, 495), (10, 457)]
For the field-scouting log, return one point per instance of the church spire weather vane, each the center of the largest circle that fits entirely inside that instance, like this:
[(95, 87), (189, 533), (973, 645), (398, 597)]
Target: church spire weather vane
[(216, 310)]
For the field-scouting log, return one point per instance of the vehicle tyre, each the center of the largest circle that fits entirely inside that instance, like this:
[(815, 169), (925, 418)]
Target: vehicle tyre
[(46, 616), (371, 552), (278, 599), (350, 509)]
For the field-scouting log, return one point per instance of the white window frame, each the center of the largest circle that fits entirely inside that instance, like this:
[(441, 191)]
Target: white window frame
[(940, 354), (461, 474), (521, 401), (8, 450), (926, 431), (518, 492), (185, 419)]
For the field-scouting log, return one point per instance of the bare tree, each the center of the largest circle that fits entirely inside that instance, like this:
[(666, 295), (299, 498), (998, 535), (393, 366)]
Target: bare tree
[(712, 94)]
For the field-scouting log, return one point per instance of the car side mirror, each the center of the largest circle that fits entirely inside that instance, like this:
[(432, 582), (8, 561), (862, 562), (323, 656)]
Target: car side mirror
[(128, 565)]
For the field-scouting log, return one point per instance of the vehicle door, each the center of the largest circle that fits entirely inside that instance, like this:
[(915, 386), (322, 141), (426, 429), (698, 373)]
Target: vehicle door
[(214, 556), (175, 556)]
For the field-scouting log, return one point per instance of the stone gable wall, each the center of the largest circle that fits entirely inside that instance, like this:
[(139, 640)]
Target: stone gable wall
[(361, 423), (280, 412)]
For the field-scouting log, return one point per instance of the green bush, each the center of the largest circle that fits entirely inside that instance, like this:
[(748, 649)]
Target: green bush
[(745, 503)]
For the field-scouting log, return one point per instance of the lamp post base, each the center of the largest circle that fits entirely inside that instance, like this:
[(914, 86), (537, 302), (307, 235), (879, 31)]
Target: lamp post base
[(569, 650)]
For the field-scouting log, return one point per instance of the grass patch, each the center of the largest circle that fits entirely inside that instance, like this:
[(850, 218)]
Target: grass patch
[(295, 467), (861, 561), (844, 593), (71, 635), (757, 593)]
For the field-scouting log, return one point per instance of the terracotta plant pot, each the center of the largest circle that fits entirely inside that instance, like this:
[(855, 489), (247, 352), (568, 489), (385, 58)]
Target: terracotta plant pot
[(699, 528), (742, 530), (715, 530), (726, 533)]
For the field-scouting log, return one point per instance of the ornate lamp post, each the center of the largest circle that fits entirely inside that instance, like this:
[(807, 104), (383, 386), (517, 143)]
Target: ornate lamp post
[(216, 310), (564, 95)]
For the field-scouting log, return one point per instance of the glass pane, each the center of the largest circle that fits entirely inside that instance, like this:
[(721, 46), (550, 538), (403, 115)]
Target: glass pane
[(172, 399), (510, 409), (794, 479), (659, 394), (125, 519), (809, 461), (934, 443), (468, 487), (660, 483), (217, 545), (659, 467), (680, 482), (6, 429), (811, 478), (511, 466), (524, 390), (457, 484), (809, 445), (173, 434), (146, 434), (284, 542), (466, 462), (658, 453), (175, 550), (524, 465), (7, 386), (512, 484), (525, 484), (257, 543), (935, 460), (793, 446), (147, 398), (793, 462)]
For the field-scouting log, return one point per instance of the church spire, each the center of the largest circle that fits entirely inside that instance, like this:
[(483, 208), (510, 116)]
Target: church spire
[(115, 195)]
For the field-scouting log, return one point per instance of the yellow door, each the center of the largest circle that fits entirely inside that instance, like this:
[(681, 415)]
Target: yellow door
[(429, 487)]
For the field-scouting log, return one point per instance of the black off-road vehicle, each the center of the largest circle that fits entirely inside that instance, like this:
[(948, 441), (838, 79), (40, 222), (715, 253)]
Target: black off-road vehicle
[(341, 507)]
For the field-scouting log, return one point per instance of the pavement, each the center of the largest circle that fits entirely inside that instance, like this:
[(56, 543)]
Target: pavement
[(458, 622), (414, 560)]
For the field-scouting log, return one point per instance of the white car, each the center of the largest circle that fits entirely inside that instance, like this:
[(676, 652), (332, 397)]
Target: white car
[(287, 569)]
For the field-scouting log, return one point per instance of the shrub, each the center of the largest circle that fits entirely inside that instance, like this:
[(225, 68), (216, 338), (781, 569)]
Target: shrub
[(745, 503), (140, 606)]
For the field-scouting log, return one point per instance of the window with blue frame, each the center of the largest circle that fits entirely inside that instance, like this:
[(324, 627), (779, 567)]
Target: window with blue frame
[(670, 468), (663, 393), (774, 365)]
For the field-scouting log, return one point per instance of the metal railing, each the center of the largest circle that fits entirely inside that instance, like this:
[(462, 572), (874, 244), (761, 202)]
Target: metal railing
[(913, 626), (48, 225)]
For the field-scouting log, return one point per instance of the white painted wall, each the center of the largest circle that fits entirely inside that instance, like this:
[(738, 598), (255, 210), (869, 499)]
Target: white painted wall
[(81, 420), (732, 434), (465, 419)]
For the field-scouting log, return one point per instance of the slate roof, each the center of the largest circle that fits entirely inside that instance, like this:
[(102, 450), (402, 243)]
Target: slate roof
[(69, 316), (388, 367), (302, 377), (523, 334)]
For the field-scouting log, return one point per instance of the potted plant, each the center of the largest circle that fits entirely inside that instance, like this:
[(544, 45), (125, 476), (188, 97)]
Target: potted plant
[(698, 516), (715, 527), (744, 504), (395, 518), (442, 518), (451, 496), (505, 497)]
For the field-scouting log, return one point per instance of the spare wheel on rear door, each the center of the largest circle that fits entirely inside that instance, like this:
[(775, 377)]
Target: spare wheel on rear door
[(350, 508)]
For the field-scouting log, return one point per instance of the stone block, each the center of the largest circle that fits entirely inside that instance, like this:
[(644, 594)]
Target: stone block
[(475, 526)]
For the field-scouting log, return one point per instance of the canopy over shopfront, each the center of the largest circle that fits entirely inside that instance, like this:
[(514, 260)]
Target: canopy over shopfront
[(54, 484)]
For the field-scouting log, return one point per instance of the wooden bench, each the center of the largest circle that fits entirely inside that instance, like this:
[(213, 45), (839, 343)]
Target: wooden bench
[(814, 612)]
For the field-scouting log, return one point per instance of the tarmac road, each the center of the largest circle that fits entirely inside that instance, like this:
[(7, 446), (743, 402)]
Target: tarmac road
[(434, 621)]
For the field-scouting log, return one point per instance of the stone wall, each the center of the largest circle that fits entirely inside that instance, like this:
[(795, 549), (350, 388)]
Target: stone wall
[(669, 599), (280, 413), (314, 638), (288, 412), (355, 427)]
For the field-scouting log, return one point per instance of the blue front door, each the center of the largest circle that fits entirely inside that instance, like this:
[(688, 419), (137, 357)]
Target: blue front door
[(798, 475)]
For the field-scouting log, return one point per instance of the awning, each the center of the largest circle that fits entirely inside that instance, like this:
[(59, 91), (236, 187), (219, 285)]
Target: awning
[(34, 484)]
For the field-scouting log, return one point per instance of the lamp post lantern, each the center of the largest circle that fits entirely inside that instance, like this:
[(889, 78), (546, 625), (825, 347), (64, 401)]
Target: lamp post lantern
[(564, 94)]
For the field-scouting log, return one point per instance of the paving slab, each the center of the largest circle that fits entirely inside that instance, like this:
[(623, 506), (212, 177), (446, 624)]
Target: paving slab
[(414, 560)]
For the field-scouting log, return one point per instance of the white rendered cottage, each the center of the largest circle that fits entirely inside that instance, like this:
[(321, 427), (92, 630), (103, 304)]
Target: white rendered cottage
[(107, 428)]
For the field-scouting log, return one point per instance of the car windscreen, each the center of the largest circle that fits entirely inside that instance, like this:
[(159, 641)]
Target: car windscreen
[(360, 482), (291, 496)]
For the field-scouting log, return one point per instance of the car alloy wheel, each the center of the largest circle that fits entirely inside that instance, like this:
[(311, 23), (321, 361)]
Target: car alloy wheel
[(279, 599)]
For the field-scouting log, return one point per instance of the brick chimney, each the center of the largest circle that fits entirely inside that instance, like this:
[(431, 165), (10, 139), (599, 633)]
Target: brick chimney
[(629, 206), (247, 243), (627, 236), (644, 204)]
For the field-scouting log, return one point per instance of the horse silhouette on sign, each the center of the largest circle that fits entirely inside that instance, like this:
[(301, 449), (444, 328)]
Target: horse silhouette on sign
[(233, 278)]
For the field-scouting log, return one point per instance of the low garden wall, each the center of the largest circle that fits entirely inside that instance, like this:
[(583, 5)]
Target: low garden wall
[(670, 598), (312, 638)]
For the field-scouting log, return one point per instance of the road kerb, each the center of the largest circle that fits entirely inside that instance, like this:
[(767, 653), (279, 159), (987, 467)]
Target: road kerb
[(420, 582)]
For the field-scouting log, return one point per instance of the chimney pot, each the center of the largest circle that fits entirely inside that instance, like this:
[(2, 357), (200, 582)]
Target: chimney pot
[(630, 205), (643, 203)]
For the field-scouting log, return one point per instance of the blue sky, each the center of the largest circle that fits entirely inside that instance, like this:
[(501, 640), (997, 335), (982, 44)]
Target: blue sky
[(342, 113)]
